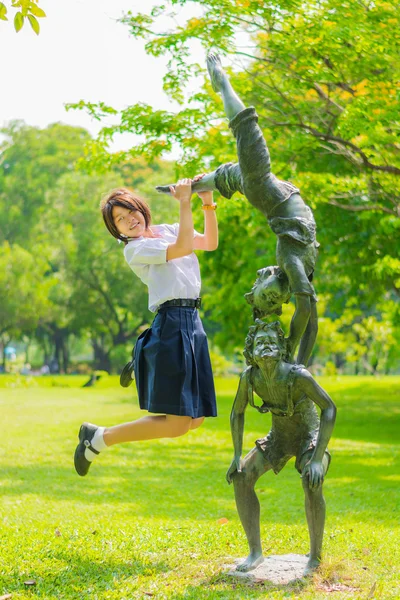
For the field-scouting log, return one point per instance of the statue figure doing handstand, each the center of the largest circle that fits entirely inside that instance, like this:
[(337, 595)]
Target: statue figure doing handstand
[(287, 214), (290, 393)]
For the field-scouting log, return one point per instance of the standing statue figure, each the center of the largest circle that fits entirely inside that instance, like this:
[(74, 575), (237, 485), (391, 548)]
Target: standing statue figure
[(290, 393), (287, 214)]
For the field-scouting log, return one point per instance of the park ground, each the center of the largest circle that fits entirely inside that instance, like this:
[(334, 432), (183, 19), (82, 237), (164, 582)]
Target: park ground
[(157, 519)]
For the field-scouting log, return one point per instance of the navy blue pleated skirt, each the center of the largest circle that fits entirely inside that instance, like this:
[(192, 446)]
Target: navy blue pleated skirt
[(172, 365)]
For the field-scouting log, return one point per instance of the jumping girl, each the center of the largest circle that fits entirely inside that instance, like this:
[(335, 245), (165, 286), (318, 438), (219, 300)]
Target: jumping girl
[(171, 361)]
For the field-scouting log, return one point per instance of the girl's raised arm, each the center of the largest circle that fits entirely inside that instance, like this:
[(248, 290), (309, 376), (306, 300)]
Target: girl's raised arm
[(208, 240), (184, 242)]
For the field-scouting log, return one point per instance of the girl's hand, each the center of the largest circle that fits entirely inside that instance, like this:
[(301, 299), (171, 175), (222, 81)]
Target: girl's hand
[(206, 197), (182, 191)]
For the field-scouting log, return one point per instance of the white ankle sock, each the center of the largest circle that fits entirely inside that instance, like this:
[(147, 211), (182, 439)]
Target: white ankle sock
[(98, 444)]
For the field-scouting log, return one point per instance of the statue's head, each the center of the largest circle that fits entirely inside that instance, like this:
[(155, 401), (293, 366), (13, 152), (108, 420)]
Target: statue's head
[(269, 292), (264, 342)]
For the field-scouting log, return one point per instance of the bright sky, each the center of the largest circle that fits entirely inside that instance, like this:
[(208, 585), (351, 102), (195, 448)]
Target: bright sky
[(81, 53)]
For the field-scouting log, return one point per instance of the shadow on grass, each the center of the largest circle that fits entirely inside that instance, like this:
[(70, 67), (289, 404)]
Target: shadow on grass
[(362, 416), (228, 587), (191, 484), (83, 572)]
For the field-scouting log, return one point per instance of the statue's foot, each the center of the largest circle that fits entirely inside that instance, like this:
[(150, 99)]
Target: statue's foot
[(217, 74), (311, 566), (164, 189), (252, 561)]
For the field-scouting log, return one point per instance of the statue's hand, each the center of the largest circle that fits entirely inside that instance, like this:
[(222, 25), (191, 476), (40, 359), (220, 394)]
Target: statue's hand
[(314, 470), (236, 466)]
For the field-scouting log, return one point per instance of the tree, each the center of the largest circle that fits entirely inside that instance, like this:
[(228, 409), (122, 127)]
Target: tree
[(24, 290), (31, 161), (324, 79)]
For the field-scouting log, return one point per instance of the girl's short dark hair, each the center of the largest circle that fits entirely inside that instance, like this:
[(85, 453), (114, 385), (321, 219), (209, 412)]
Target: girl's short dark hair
[(126, 199)]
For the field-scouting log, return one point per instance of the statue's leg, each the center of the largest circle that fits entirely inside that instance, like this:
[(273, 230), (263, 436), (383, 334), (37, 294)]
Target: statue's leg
[(221, 84), (252, 176), (315, 514), (288, 253), (248, 506), (260, 188), (226, 179)]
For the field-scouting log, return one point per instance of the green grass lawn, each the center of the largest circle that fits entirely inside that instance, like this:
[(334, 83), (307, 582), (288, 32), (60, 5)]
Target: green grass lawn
[(145, 521)]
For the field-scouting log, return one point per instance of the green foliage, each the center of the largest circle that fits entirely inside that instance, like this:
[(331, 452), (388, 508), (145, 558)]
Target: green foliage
[(31, 161), (166, 499), (367, 343), (24, 9), (220, 365), (24, 290)]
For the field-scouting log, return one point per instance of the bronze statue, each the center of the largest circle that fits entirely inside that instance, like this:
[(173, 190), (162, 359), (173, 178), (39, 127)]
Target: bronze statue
[(290, 393), (287, 390), (287, 214)]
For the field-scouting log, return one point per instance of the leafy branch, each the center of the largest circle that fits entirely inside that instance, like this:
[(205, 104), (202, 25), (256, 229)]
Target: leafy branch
[(25, 10)]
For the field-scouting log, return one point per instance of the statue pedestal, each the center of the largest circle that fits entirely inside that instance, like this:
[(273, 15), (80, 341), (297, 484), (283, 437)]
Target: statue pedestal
[(277, 569)]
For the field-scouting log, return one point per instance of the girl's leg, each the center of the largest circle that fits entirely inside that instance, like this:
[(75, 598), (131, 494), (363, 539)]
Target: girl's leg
[(149, 428), (196, 423), (94, 439)]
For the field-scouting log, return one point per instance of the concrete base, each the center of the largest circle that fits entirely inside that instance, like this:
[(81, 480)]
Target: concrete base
[(277, 569)]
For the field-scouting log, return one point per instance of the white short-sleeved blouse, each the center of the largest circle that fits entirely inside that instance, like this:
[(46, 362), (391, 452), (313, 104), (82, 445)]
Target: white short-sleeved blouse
[(166, 280)]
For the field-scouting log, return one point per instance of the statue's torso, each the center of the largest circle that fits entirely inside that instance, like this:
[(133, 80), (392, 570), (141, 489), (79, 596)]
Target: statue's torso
[(282, 397)]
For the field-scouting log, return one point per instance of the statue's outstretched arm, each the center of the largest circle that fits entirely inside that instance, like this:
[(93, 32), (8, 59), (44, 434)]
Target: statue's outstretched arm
[(310, 387), (310, 335)]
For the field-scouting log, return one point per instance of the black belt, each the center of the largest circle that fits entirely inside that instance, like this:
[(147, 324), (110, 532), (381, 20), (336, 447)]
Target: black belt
[(194, 303)]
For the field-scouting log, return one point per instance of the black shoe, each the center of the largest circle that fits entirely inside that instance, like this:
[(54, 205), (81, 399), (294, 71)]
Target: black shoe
[(85, 436), (126, 378)]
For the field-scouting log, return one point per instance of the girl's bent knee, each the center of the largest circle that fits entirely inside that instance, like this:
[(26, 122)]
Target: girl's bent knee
[(178, 425), (196, 423)]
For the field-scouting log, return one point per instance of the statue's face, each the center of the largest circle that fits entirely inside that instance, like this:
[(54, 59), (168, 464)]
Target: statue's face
[(268, 293), (266, 347)]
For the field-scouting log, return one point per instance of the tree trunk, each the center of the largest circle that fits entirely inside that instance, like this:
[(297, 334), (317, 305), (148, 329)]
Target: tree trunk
[(339, 361), (4, 341), (4, 362), (102, 360), (61, 354)]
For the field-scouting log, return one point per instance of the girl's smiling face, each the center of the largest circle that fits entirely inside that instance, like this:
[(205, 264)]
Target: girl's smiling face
[(129, 222)]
